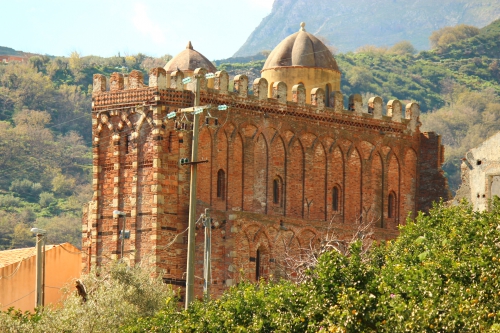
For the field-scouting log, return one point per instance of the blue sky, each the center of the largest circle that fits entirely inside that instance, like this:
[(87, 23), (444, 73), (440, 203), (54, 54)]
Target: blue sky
[(217, 28)]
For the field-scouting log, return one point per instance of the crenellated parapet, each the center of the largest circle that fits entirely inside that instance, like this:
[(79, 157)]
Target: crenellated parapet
[(170, 89)]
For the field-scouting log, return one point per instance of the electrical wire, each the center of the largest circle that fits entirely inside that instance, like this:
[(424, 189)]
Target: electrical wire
[(18, 299)]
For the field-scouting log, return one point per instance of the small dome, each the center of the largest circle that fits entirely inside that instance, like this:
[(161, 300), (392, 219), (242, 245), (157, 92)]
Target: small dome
[(301, 49), (189, 60)]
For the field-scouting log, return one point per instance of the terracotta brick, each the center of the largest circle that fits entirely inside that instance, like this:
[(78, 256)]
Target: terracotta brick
[(308, 150)]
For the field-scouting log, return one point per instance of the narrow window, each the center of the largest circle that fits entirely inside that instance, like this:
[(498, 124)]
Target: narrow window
[(391, 205), (127, 143), (277, 190), (257, 266), (335, 199), (221, 184)]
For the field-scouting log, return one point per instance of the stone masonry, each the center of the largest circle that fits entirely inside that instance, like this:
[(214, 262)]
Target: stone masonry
[(279, 173)]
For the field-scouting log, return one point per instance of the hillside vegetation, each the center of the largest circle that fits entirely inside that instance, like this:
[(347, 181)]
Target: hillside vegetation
[(439, 275), (45, 123), (45, 138), (348, 25)]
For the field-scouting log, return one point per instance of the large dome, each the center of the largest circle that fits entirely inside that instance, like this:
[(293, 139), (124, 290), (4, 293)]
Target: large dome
[(301, 49), (189, 60)]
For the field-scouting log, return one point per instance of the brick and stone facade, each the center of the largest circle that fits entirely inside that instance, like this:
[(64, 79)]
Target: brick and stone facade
[(279, 172)]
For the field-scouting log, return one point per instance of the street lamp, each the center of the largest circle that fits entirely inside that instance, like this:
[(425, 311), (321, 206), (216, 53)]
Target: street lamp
[(40, 265), (123, 233)]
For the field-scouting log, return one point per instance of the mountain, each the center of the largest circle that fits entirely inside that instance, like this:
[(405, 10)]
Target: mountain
[(9, 51), (349, 24)]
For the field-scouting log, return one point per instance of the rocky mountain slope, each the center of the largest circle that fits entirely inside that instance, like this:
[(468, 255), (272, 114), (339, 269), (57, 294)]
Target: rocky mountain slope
[(348, 25)]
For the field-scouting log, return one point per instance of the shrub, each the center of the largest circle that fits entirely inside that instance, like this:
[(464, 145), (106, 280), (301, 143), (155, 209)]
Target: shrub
[(46, 199), (8, 200), (117, 295)]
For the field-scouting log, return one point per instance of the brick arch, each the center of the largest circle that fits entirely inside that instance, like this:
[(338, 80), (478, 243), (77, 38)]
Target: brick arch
[(248, 129), (220, 162), (229, 128), (235, 172), (288, 135), (393, 185), (328, 142), (277, 170), (374, 191), (303, 240), (315, 182), (335, 175), (248, 133), (294, 183), (408, 185), (205, 169), (353, 187), (365, 148), (260, 169)]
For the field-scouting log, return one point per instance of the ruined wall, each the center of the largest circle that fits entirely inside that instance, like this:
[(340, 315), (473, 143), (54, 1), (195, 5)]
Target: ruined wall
[(481, 174), (279, 173), (432, 185)]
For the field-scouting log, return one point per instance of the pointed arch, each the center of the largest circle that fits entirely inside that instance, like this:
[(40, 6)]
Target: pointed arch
[(220, 167), (277, 158), (315, 182), (335, 175), (295, 180), (260, 168), (393, 181), (353, 185), (408, 186), (205, 169), (235, 173), (375, 192)]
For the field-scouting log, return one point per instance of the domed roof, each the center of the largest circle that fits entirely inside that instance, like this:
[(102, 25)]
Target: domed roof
[(301, 49), (189, 59)]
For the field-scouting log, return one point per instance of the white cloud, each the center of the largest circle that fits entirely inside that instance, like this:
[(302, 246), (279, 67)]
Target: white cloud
[(145, 25)]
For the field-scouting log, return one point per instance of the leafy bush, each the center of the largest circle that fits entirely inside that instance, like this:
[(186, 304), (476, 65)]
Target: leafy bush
[(46, 198), (439, 275), (8, 201), (116, 295), (26, 188)]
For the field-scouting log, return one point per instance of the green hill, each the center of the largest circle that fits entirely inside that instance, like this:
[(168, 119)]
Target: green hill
[(8, 51)]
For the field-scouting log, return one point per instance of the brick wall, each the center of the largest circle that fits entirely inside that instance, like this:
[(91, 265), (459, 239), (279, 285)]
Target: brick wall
[(269, 180)]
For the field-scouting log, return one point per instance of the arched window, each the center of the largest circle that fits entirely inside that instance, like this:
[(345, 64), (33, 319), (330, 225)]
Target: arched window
[(336, 199), (391, 205), (221, 184), (277, 190)]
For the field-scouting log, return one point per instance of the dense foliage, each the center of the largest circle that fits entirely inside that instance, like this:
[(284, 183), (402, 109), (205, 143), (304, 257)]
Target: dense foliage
[(45, 136), (116, 295), (440, 275)]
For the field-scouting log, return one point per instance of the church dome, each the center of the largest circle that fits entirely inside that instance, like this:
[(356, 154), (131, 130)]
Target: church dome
[(301, 49), (189, 60)]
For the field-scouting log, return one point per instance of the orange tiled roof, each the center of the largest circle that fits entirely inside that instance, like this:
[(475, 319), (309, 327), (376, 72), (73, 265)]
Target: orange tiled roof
[(10, 257)]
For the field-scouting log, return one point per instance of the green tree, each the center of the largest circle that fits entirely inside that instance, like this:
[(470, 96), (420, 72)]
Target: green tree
[(448, 35)]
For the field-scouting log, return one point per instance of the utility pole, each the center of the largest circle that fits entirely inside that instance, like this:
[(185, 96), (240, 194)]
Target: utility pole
[(192, 201), (40, 266), (207, 270)]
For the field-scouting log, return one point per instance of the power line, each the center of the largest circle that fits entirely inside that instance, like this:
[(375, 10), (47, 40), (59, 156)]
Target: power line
[(19, 299)]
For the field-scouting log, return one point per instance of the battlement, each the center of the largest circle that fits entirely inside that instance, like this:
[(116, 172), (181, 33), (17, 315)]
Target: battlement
[(128, 90)]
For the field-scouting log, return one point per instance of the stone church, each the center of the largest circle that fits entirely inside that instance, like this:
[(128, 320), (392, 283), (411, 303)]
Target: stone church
[(289, 159)]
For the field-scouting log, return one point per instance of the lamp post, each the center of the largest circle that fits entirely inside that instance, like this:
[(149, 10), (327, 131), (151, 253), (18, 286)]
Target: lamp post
[(40, 265), (123, 233)]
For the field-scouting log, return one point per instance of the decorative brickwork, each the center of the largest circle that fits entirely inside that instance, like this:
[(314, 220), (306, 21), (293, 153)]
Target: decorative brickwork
[(278, 172)]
